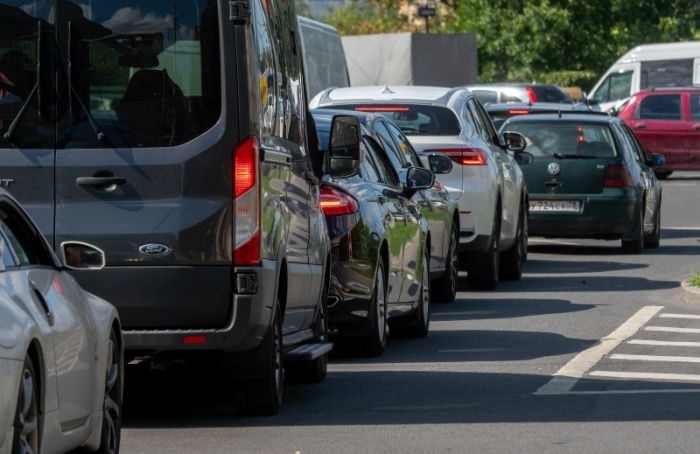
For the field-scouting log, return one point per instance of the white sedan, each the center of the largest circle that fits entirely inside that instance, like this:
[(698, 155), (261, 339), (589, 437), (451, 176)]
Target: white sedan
[(61, 358)]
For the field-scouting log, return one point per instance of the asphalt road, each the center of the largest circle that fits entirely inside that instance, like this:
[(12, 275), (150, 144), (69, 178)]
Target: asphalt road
[(482, 381)]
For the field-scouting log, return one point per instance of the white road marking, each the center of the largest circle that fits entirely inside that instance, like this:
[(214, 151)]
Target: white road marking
[(637, 391), (671, 329), (532, 240), (657, 358), (646, 375), (680, 228), (564, 380), (663, 343), (684, 316)]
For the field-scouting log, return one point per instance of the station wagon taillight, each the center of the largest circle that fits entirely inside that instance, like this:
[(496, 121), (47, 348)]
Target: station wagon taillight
[(463, 156), (617, 176), (335, 202), (246, 203)]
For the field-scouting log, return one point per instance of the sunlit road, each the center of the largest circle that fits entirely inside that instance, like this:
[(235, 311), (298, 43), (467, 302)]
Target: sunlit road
[(626, 349)]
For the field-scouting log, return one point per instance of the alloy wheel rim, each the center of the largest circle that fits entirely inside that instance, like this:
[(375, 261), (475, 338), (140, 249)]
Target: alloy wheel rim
[(28, 418)]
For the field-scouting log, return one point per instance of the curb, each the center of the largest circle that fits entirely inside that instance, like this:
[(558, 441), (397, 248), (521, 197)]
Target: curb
[(689, 293)]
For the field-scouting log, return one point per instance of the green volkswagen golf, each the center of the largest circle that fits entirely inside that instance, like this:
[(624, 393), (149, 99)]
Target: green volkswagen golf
[(590, 179)]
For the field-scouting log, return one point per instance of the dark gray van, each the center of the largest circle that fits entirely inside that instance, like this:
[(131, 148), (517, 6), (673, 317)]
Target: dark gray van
[(172, 134)]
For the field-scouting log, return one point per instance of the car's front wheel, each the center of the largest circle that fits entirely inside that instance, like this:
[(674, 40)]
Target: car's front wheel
[(444, 288), (26, 433)]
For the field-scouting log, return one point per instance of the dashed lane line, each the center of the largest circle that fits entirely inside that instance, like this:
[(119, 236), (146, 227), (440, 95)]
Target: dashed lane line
[(647, 376), (564, 380), (672, 329), (663, 343), (656, 358)]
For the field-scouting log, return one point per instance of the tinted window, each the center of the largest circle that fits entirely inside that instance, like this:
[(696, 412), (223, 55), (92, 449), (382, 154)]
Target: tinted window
[(567, 138), (407, 150), (392, 151), (482, 121), (634, 144), (25, 241), (666, 73), (615, 86), (695, 107), (550, 93), (414, 119), (660, 107), (368, 170), (383, 166)]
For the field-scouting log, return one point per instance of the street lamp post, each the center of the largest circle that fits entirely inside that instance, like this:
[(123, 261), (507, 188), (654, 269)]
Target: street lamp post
[(427, 11)]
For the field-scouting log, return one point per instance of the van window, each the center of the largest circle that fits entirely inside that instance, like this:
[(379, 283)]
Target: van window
[(615, 86), (660, 107), (666, 73), (324, 58)]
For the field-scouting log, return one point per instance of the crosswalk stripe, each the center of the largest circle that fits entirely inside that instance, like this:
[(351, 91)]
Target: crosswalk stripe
[(646, 375), (684, 316), (657, 358), (671, 329), (664, 343)]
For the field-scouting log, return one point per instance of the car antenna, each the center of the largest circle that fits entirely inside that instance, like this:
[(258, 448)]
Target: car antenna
[(559, 112), (386, 90)]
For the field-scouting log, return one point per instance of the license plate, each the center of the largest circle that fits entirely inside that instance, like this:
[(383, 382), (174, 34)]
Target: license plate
[(568, 206)]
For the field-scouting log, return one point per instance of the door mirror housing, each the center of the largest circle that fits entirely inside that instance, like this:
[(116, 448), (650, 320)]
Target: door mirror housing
[(439, 163), (77, 255), (524, 158), (418, 178), (514, 141), (658, 160), (344, 153)]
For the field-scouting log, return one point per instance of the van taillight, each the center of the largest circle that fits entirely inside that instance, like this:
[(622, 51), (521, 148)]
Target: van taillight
[(335, 202), (246, 203), (463, 156), (617, 176)]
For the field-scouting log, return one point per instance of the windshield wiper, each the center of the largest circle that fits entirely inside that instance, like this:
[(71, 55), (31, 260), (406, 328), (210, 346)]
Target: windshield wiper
[(573, 156)]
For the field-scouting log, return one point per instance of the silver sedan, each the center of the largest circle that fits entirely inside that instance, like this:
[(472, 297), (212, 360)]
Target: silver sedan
[(61, 358)]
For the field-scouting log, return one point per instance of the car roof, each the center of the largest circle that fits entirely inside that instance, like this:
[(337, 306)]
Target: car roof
[(534, 107), (386, 93), (592, 116), (673, 90)]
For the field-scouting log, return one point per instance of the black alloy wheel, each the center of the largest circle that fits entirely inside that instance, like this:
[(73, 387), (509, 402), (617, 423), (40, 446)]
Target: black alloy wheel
[(374, 342), (444, 288), (112, 406), (26, 433)]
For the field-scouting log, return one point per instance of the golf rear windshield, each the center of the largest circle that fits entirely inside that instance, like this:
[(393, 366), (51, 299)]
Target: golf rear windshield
[(567, 138), (414, 119)]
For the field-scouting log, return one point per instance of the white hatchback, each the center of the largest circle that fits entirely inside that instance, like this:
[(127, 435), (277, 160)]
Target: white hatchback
[(485, 179)]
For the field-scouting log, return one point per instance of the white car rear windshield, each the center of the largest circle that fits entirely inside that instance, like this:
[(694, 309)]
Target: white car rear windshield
[(414, 119)]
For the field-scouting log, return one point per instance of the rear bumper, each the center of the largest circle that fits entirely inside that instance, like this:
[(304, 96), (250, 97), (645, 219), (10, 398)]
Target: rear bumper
[(600, 217), (251, 315)]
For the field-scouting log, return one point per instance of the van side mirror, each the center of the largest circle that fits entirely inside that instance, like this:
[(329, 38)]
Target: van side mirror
[(439, 163), (77, 255), (418, 178), (514, 141), (344, 154)]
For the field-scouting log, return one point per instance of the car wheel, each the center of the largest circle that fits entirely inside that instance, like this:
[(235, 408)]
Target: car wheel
[(482, 269), (374, 342), (421, 326), (445, 287), (112, 402), (511, 265), (634, 244), (262, 395), (653, 240), (314, 371), (26, 434)]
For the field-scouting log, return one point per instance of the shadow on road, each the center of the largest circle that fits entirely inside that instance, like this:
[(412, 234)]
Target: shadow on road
[(668, 234), (535, 266), (588, 283), (496, 308)]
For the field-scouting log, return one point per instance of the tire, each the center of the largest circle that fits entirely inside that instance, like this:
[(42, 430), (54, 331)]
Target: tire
[(511, 261), (653, 240), (444, 288), (262, 396), (482, 269), (374, 342), (314, 371), (26, 425), (634, 244), (421, 327), (112, 402)]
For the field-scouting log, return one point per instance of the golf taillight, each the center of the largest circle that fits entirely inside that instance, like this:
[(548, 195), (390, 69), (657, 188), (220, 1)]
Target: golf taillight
[(463, 156), (617, 176), (335, 202), (246, 203)]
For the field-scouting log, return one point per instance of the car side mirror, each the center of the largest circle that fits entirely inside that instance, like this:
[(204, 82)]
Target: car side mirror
[(524, 158), (77, 255), (658, 160), (514, 141), (418, 178), (344, 154), (439, 163)]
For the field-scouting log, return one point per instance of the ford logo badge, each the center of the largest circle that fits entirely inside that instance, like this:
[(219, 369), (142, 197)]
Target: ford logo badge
[(154, 249)]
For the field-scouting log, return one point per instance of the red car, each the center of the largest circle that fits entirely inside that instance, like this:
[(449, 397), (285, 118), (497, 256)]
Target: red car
[(667, 121)]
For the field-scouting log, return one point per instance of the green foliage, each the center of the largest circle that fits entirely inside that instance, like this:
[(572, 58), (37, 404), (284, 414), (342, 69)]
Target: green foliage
[(369, 16), (695, 280)]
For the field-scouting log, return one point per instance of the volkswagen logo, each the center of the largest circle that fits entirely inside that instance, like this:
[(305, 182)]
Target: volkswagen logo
[(553, 168), (154, 249)]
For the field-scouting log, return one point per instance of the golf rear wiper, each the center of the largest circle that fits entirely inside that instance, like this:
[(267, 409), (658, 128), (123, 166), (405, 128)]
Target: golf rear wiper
[(574, 156)]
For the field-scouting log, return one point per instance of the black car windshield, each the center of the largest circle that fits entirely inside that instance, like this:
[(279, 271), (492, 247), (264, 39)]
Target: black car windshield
[(414, 119), (565, 139)]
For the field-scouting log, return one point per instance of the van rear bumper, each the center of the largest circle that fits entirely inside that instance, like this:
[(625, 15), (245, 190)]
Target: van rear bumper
[(251, 315)]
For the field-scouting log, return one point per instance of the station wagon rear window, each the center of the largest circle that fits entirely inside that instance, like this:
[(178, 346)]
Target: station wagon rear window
[(414, 119), (568, 139)]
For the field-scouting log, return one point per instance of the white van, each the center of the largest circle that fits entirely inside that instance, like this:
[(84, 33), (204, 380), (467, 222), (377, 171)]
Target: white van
[(648, 66), (323, 55)]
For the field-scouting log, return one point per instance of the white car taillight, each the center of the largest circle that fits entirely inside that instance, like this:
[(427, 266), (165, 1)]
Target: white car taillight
[(246, 203)]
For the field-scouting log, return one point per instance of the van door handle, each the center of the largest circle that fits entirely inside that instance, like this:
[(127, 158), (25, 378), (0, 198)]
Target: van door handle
[(100, 182), (696, 127)]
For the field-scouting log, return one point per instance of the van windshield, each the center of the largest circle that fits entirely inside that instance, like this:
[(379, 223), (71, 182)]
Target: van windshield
[(113, 74)]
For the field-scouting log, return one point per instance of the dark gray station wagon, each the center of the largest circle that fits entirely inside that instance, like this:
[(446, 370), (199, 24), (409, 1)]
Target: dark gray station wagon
[(172, 135)]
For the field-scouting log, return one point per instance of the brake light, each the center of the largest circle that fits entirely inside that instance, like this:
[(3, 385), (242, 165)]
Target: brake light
[(531, 94), (617, 176), (335, 202), (382, 109), (246, 203), (194, 340), (463, 156), (517, 112)]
